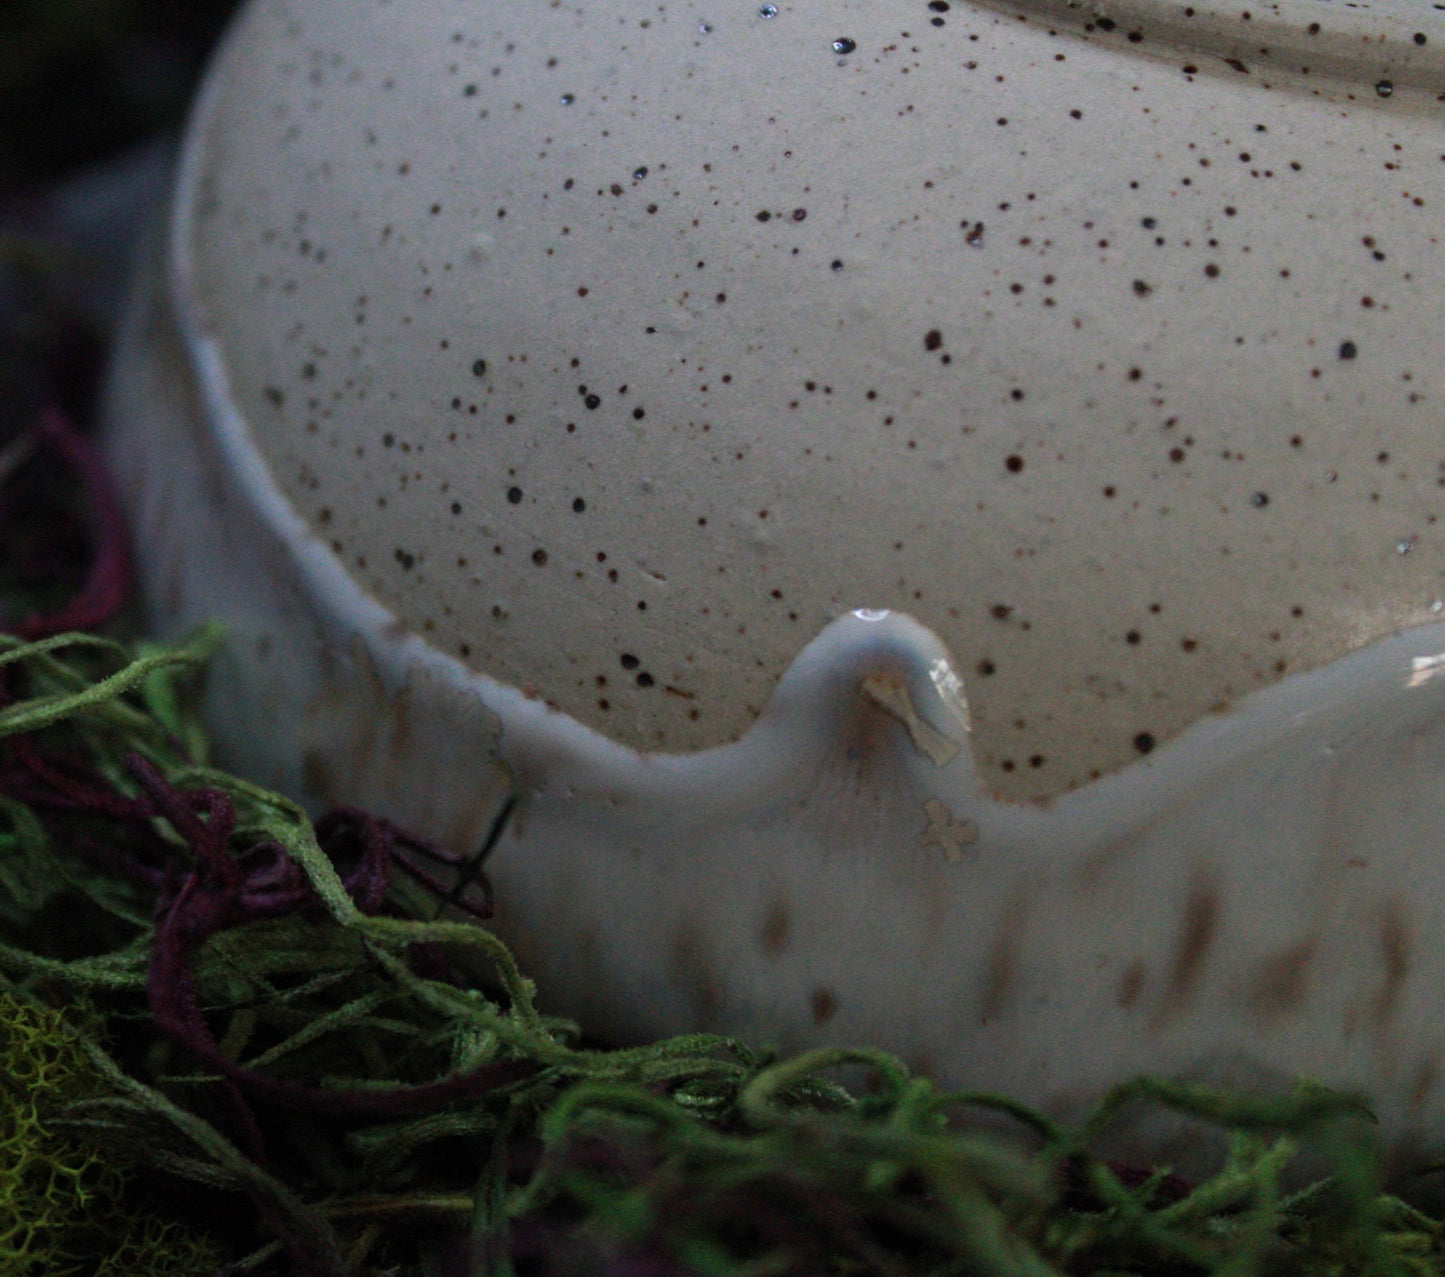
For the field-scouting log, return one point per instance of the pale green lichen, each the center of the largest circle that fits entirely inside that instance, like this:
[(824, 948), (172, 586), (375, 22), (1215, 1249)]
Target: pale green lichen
[(63, 1204)]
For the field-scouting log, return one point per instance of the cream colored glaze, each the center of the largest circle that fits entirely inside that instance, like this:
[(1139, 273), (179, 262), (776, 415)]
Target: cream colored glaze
[(1252, 900), (1136, 478)]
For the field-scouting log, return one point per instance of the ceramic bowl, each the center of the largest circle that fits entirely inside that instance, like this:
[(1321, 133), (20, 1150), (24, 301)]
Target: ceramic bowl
[(928, 512)]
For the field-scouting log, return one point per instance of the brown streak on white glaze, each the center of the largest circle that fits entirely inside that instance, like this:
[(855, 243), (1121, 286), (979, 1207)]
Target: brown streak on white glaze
[(1396, 948), (1198, 928), (1279, 982)]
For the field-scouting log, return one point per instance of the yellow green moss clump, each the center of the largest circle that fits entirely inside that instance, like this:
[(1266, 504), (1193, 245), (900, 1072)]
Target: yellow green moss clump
[(62, 1205)]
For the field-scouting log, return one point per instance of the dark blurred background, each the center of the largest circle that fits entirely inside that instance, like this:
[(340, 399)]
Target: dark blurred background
[(92, 94), (82, 79)]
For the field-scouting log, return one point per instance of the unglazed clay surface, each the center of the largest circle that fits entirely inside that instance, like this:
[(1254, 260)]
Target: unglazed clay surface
[(619, 349)]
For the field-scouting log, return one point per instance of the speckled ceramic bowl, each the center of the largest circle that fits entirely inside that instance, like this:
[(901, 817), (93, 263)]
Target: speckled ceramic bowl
[(932, 509)]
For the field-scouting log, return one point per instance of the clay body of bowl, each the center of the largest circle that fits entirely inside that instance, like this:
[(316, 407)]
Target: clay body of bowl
[(931, 511)]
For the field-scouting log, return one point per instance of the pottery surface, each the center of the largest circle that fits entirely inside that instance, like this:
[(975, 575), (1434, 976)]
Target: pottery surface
[(928, 512)]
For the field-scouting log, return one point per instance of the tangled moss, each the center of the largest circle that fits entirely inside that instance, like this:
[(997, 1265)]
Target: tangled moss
[(277, 1016)]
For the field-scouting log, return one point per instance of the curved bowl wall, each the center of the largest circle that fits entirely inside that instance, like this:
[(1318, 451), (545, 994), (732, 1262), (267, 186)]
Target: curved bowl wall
[(1247, 897)]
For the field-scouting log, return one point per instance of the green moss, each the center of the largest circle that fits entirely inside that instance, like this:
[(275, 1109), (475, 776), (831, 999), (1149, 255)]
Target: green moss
[(361, 1107)]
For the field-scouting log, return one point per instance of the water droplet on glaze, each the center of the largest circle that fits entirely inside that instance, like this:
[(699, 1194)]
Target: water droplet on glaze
[(1405, 544), (1385, 87), (843, 45), (639, 173), (704, 28), (568, 99), (768, 11)]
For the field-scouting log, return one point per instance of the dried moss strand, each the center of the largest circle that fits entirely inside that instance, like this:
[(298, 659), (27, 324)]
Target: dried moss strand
[(117, 973), (47, 709), (305, 1233)]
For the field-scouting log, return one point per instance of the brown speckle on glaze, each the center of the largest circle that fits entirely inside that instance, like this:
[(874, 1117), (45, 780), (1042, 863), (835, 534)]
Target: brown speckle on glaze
[(1058, 358), (1199, 921)]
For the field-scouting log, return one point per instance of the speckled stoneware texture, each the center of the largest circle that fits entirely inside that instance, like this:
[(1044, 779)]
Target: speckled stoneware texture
[(924, 410), (619, 350)]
